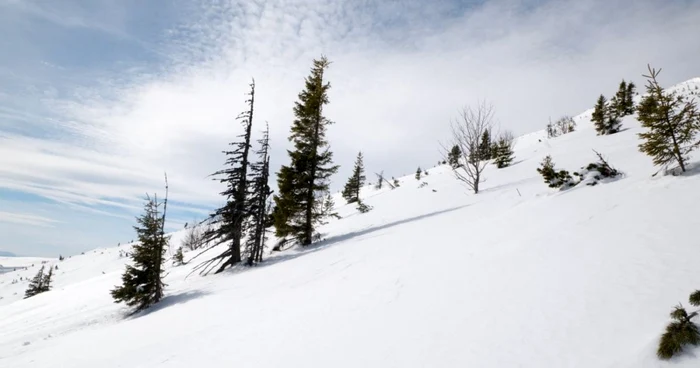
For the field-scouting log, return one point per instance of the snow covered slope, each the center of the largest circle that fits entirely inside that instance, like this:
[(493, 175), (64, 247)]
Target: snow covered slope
[(520, 275)]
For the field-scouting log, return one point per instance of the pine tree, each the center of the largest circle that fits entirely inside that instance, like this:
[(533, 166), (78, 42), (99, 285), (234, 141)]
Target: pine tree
[(679, 333), (258, 198), (484, 150), (297, 212), (329, 206), (629, 99), (555, 179), (396, 182), (142, 281), (351, 192), (179, 257), (363, 207), (672, 124), (617, 103), (46, 281), (599, 114), (36, 286), (612, 122), (503, 152), (418, 173), (453, 156), (229, 220)]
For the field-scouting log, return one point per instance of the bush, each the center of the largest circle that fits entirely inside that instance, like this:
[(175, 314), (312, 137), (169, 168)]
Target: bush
[(597, 171), (555, 179), (679, 333)]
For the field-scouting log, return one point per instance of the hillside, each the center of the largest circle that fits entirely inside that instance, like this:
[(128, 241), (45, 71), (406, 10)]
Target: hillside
[(519, 275)]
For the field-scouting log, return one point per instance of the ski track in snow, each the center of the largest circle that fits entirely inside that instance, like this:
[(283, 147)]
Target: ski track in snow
[(520, 275)]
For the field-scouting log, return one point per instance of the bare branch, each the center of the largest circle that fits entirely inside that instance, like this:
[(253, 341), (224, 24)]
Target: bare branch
[(467, 131)]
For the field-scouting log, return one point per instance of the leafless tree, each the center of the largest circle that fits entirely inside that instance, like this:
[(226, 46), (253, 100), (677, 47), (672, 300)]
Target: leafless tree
[(467, 131)]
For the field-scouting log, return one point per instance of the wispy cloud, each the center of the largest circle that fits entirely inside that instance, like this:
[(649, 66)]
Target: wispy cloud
[(26, 219), (400, 72)]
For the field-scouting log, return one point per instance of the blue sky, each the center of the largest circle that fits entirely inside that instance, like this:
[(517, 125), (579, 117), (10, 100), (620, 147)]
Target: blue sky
[(99, 97)]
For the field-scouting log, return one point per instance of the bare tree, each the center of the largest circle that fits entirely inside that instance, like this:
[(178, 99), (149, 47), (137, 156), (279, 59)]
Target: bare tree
[(467, 131)]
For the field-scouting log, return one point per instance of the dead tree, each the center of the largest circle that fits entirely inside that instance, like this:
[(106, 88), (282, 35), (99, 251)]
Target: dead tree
[(467, 131)]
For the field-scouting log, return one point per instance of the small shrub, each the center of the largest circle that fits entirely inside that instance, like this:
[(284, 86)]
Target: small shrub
[(552, 177), (679, 333)]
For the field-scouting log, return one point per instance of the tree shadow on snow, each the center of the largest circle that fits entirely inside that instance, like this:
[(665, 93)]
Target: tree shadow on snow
[(167, 301), (325, 243)]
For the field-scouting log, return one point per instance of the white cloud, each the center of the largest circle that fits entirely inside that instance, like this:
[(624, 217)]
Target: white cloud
[(400, 72), (26, 219)]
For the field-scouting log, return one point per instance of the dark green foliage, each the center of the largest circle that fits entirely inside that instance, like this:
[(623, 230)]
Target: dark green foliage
[(396, 182), (622, 104), (40, 283), (362, 207), (178, 257), (418, 173), (228, 221), (598, 116), (679, 333), (351, 192), (601, 170), (484, 149), (550, 130), (553, 178), (297, 211), (695, 298), (257, 205), (503, 150), (629, 99), (672, 124), (60, 258), (142, 282)]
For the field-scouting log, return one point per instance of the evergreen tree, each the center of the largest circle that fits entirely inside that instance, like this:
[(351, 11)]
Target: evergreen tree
[(142, 281), (484, 150), (503, 153), (612, 122), (617, 103), (672, 124), (551, 132), (178, 257), (679, 333), (329, 206), (297, 212), (36, 286), (351, 192), (418, 173), (229, 220), (258, 207), (552, 177), (599, 115), (629, 99), (46, 281), (396, 182), (453, 156)]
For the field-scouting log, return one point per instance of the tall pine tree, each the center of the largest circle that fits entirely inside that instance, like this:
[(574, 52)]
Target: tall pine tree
[(259, 193), (599, 114), (298, 212), (142, 282), (672, 124), (351, 192), (228, 221), (484, 150)]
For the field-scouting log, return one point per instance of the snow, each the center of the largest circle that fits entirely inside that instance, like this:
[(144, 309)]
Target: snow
[(520, 275)]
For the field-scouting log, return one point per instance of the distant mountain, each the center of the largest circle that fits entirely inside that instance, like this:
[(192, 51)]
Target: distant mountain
[(7, 254)]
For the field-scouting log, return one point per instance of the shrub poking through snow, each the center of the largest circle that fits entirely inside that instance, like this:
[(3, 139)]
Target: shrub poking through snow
[(597, 171), (178, 258), (679, 333), (552, 177)]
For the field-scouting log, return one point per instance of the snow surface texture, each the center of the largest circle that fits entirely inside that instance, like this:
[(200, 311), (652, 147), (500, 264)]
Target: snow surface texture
[(520, 275)]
